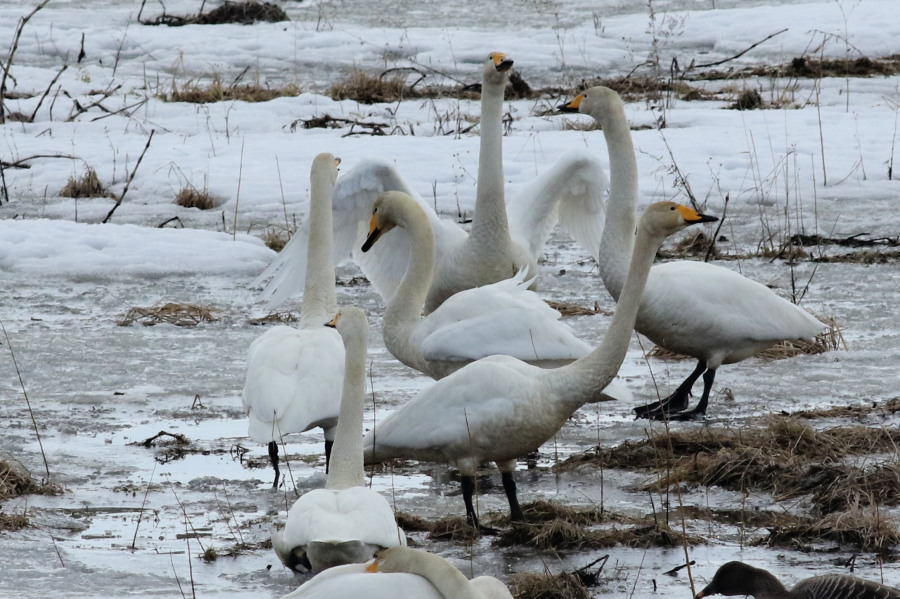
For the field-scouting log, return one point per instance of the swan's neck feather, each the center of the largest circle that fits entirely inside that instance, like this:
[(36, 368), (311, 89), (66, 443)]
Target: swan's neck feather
[(345, 468), (582, 381), (405, 310), (618, 231), (490, 222), (319, 299), (448, 580)]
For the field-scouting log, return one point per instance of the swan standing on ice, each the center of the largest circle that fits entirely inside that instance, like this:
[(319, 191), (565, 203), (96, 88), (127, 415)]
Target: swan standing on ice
[(500, 408), (346, 522), (501, 318), (294, 375), (693, 308), (498, 246), (398, 573)]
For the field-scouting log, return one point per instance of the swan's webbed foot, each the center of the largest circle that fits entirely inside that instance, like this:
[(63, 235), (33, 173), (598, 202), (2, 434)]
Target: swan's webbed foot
[(666, 409)]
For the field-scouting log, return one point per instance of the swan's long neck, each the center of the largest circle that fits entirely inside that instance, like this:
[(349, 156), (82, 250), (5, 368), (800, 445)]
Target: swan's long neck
[(582, 381), (490, 222), (449, 581), (405, 309), (618, 231), (319, 299), (345, 468)]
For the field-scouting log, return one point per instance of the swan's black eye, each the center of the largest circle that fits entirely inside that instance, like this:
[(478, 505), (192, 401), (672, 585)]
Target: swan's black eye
[(671, 207)]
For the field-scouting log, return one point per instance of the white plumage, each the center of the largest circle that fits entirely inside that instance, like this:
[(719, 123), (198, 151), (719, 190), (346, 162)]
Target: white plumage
[(693, 308), (345, 522), (501, 318), (500, 408), (501, 242), (401, 573), (294, 374)]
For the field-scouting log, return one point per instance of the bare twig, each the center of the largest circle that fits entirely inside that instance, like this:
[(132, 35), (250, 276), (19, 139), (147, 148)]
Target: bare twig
[(237, 198), (37, 433), (143, 503), (739, 54), (46, 92), (12, 53), (130, 178), (712, 243), (20, 163)]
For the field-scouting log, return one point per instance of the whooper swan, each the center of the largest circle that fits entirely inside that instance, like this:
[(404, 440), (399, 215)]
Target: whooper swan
[(693, 308), (500, 408), (500, 244), (294, 374), (501, 318), (398, 573), (346, 522)]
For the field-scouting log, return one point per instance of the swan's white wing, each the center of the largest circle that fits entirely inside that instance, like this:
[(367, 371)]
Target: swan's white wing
[(501, 318), (473, 411), (353, 582), (571, 191), (354, 195), (294, 380), (696, 306), (354, 514)]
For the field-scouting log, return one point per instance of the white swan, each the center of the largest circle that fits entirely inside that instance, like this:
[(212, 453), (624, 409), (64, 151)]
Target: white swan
[(501, 318), (693, 308), (346, 522), (497, 247), (499, 408), (397, 573), (294, 375)]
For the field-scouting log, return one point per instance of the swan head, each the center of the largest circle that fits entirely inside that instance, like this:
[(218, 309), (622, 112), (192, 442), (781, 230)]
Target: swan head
[(350, 322), (328, 164), (390, 210), (598, 101), (665, 218), (496, 68)]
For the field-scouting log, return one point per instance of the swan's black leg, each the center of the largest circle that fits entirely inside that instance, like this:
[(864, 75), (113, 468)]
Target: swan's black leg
[(328, 446), (699, 412), (509, 485), (468, 489), (273, 457), (676, 402)]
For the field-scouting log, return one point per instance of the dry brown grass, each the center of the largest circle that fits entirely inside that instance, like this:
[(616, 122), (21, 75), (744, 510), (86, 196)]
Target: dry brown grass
[(12, 522), (247, 12), (182, 315), (191, 197), (785, 458), (567, 309), (548, 586), (275, 318), (453, 528), (88, 185), (890, 407), (368, 89), (15, 481), (865, 530), (196, 92), (276, 238)]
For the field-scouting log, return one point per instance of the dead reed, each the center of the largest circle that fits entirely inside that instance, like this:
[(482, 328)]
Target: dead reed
[(88, 185), (182, 315)]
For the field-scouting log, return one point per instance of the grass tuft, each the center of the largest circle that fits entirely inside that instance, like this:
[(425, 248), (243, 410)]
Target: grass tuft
[(191, 197), (195, 92), (548, 586), (182, 315), (88, 185)]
